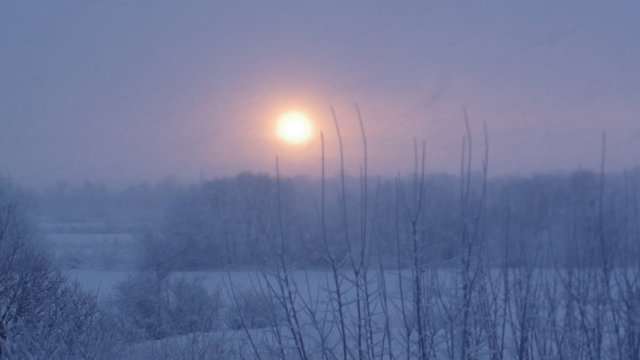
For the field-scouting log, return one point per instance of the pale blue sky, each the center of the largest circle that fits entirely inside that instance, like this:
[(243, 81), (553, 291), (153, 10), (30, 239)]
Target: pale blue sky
[(127, 91)]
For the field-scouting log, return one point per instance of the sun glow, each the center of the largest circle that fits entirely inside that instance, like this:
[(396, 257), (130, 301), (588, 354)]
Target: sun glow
[(294, 127)]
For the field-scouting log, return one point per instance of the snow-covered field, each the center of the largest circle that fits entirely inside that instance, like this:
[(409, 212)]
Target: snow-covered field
[(534, 303)]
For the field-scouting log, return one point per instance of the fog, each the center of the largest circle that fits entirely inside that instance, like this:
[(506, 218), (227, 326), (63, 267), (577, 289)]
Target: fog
[(331, 180), (129, 92)]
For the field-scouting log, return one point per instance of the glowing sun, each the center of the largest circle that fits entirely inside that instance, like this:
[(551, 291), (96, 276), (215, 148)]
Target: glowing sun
[(294, 127)]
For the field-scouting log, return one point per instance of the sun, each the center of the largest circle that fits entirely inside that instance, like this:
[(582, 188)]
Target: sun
[(294, 127)]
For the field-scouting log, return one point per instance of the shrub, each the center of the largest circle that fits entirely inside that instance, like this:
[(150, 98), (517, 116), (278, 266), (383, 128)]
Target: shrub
[(161, 307), (42, 314), (252, 309)]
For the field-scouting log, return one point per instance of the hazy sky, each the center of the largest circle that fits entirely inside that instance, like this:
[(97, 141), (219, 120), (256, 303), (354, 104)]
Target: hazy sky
[(127, 91)]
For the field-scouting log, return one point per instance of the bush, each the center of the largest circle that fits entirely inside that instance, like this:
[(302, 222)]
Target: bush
[(42, 314), (160, 307), (252, 309)]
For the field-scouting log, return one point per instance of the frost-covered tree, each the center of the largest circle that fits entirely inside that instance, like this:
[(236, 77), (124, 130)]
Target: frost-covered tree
[(42, 314)]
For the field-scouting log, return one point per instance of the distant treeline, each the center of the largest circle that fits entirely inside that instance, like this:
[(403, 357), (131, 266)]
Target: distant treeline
[(93, 202), (572, 219)]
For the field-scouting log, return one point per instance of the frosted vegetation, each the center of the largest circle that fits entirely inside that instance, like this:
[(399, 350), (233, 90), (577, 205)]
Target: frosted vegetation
[(416, 267)]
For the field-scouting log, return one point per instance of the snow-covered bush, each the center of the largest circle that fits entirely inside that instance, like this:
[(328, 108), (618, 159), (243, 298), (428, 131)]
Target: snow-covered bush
[(252, 309), (160, 306), (42, 314)]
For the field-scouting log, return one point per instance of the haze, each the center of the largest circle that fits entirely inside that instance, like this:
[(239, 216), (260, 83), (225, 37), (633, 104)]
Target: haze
[(125, 92)]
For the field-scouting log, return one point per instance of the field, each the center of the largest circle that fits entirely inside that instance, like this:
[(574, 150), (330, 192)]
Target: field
[(443, 312)]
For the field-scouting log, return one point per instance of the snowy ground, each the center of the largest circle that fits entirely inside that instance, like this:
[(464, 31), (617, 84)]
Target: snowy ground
[(100, 260)]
